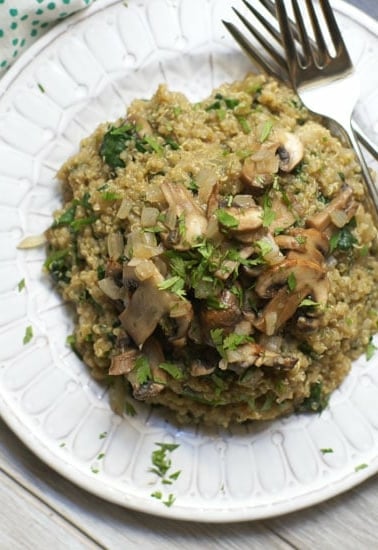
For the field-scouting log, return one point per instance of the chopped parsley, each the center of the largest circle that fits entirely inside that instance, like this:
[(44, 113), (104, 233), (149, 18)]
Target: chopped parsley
[(266, 129), (326, 450), (173, 370), (114, 143), (103, 435), (221, 103), (161, 462), (343, 239), (21, 285), (360, 467), (142, 369), (226, 219), (307, 302), (316, 401), (228, 343), (174, 284), (129, 409), (292, 282), (264, 246), (126, 137), (170, 500), (268, 215), (57, 265), (28, 336), (244, 124), (161, 465), (42, 89), (371, 349)]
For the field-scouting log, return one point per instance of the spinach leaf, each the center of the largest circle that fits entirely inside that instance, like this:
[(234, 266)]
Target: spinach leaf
[(316, 401), (114, 143)]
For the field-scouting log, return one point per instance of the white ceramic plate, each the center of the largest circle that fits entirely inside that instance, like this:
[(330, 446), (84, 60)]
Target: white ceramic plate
[(80, 74)]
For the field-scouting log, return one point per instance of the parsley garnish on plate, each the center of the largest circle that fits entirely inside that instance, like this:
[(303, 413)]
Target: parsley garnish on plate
[(370, 349), (161, 465), (28, 335), (21, 285)]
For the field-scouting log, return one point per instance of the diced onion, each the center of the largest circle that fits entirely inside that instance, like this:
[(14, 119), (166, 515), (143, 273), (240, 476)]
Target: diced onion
[(339, 218), (170, 218), (144, 251), (243, 327), (124, 209), (274, 255), (149, 216), (33, 241), (205, 179), (154, 195), (270, 322), (180, 309), (115, 245), (147, 269), (110, 288)]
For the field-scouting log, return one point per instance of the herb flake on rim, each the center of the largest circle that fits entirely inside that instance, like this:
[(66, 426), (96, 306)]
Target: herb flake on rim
[(28, 336)]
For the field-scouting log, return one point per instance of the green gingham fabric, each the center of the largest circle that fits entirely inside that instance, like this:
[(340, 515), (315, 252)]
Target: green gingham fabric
[(24, 21)]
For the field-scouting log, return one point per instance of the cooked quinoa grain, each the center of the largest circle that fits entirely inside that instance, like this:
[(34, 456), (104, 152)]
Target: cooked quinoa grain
[(218, 255)]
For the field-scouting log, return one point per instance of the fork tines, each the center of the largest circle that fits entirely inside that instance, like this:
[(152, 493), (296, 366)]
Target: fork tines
[(312, 53), (268, 57)]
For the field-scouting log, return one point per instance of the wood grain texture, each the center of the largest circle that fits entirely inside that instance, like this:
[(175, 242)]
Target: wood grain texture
[(28, 523), (111, 526), (349, 521)]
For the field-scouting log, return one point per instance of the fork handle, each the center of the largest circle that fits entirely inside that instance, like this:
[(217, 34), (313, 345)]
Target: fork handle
[(372, 197), (366, 174)]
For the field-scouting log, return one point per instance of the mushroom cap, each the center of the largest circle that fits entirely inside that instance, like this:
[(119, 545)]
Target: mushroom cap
[(305, 272), (290, 151)]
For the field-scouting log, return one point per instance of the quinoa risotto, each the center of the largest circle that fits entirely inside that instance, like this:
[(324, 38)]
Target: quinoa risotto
[(218, 255)]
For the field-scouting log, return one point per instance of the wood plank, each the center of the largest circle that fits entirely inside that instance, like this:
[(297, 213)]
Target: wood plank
[(115, 527), (348, 521), (27, 523)]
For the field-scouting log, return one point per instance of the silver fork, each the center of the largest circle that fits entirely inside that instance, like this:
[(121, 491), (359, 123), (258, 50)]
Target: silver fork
[(304, 68), (326, 83)]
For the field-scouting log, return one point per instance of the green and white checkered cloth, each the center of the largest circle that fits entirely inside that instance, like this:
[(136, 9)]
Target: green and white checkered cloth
[(22, 22)]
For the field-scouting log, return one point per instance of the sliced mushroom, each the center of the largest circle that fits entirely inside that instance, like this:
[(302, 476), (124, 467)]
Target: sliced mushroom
[(280, 309), (304, 243), (342, 202), (310, 280), (181, 313), (230, 266), (254, 354), (153, 352), (290, 151), (198, 368), (256, 182), (124, 362), (307, 324), (113, 269), (226, 316), (146, 306), (246, 219), (110, 288), (283, 216), (194, 221)]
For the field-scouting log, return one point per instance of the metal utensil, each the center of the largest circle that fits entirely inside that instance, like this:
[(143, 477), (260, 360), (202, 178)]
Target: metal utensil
[(270, 57)]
